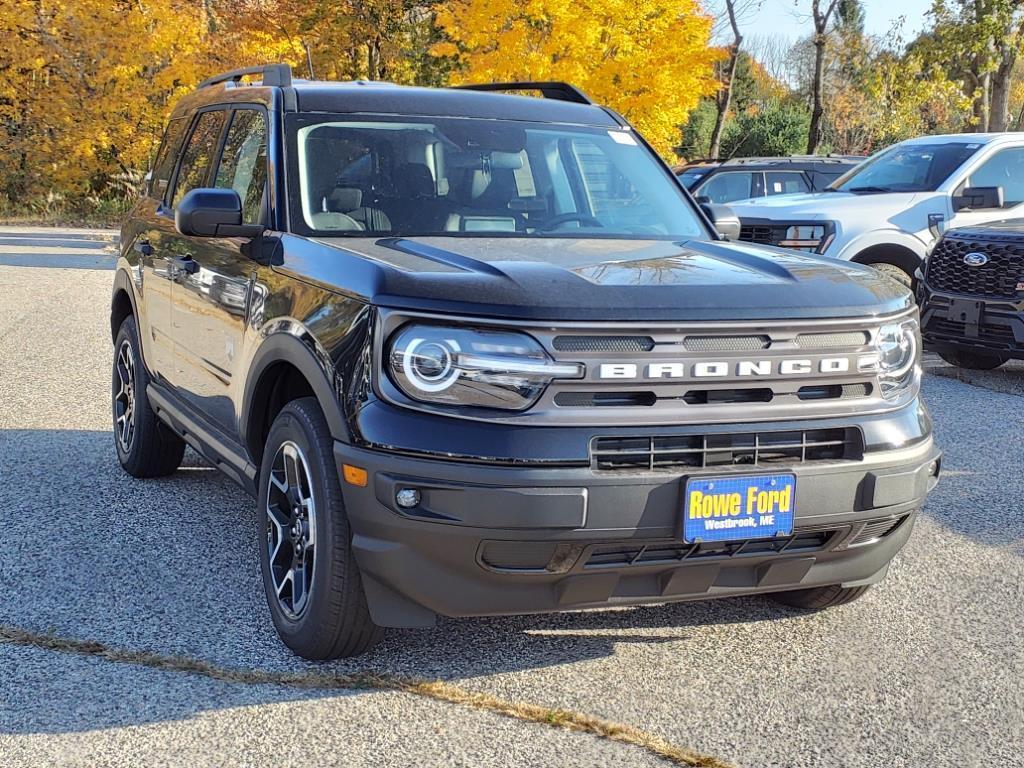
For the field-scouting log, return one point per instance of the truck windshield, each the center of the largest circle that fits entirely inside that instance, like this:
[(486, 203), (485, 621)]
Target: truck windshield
[(907, 168), (405, 176)]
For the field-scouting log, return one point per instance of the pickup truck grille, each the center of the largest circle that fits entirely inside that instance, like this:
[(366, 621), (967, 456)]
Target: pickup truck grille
[(996, 279), (755, 449), (763, 234)]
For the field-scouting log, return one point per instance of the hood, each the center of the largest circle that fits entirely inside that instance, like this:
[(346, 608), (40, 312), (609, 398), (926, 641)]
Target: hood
[(823, 205), (593, 278)]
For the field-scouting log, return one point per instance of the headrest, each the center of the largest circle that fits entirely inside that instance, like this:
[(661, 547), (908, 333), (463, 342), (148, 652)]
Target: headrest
[(344, 199), (416, 180)]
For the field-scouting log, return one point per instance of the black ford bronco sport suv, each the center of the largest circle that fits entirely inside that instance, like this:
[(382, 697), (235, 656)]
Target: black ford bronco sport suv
[(971, 295), (478, 353)]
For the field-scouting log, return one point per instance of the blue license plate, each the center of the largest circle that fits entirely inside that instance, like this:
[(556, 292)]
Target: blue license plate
[(743, 507)]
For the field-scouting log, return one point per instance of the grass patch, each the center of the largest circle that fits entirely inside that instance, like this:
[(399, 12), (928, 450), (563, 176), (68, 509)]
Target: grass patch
[(436, 690)]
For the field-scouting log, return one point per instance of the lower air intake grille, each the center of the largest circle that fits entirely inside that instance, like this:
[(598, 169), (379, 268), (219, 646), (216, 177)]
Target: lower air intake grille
[(667, 453), (875, 530), (618, 555)]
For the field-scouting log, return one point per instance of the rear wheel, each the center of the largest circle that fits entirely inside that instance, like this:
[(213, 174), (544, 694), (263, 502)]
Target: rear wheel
[(310, 577), (146, 447), (975, 361), (820, 597)]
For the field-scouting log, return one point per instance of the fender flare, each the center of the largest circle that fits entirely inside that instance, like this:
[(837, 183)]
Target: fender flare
[(296, 347), (122, 282), (885, 246)]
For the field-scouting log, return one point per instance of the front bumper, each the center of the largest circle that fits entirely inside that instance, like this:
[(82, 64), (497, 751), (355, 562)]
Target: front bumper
[(951, 321), (488, 540)]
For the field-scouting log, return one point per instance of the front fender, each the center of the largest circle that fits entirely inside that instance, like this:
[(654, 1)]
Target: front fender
[(288, 341), (877, 238)]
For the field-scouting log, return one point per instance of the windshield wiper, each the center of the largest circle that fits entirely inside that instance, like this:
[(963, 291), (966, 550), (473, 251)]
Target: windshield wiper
[(869, 189)]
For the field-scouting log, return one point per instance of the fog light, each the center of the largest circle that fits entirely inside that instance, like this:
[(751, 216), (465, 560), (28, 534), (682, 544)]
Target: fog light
[(407, 498)]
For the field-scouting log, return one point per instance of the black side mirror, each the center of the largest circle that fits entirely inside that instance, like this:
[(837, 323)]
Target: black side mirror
[(210, 212), (726, 222), (978, 198)]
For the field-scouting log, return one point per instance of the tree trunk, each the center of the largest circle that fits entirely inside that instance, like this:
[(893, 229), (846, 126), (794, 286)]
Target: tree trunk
[(999, 106), (817, 110), (821, 20), (724, 99)]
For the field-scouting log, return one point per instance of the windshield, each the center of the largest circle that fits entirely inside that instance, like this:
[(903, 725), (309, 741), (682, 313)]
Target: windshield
[(403, 177), (907, 168)]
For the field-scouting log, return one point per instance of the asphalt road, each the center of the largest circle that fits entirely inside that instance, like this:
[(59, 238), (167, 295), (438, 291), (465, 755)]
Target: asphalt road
[(927, 670)]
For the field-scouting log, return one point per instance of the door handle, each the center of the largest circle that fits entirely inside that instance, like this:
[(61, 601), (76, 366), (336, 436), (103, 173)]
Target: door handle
[(186, 264), (143, 247)]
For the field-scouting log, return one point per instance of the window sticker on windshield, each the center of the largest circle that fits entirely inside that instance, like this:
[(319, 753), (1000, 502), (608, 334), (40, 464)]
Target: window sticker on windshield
[(621, 137), (973, 146)]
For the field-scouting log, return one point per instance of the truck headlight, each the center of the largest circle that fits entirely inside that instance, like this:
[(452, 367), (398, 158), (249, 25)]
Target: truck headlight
[(897, 357), (472, 367), (814, 238)]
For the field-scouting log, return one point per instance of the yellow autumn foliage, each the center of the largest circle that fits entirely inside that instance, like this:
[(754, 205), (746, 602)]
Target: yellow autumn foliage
[(648, 59)]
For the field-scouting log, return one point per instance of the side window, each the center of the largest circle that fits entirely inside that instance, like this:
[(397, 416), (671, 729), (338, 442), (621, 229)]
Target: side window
[(243, 164), (785, 183), (165, 158), (728, 187), (1004, 169), (199, 154)]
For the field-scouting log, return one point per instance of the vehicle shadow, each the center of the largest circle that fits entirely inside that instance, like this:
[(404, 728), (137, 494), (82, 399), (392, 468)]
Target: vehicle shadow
[(169, 565)]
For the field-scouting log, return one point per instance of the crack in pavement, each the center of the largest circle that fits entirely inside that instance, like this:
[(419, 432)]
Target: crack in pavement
[(373, 681)]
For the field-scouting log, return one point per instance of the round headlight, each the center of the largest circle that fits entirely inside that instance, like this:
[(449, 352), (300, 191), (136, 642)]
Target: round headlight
[(429, 364), (897, 353), (476, 367)]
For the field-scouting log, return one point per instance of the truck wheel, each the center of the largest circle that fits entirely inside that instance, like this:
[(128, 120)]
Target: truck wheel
[(974, 361), (310, 577), (820, 597), (146, 447), (895, 272)]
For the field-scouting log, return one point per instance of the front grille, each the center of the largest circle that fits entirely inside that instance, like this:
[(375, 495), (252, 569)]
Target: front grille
[(603, 343), (996, 279), (621, 556), (832, 340), (668, 453), (988, 333), (763, 234), (725, 343)]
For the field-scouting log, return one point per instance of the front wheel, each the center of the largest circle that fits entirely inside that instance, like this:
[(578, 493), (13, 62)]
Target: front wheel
[(896, 273), (310, 577), (974, 361), (818, 598)]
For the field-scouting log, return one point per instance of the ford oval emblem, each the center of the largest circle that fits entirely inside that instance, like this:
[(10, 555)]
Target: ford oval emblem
[(975, 259)]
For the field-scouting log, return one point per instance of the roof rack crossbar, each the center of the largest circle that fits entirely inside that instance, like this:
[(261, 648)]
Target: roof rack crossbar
[(549, 89), (273, 74)]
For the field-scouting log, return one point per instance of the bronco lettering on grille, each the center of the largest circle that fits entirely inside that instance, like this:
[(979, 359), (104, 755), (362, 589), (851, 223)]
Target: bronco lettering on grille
[(724, 369)]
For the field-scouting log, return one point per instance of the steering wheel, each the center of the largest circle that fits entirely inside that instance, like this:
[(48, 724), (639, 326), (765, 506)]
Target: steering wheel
[(565, 218)]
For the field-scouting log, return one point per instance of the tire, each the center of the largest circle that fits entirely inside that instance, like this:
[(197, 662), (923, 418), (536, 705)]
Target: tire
[(310, 576), (894, 271), (819, 598), (974, 361), (145, 446)]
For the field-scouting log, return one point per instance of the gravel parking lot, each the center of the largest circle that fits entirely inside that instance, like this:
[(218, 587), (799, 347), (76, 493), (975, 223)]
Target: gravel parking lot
[(927, 670)]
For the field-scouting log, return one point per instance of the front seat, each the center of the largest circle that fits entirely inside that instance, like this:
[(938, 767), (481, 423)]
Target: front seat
[(349, 200)]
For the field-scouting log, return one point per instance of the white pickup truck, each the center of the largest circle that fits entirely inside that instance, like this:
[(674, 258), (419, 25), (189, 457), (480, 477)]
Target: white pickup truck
[(890, 209)]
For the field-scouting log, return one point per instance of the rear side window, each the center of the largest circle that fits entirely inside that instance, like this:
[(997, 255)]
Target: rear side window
[(165, 158), (730, 186), (199, 154), (784, 182), (243, 163)]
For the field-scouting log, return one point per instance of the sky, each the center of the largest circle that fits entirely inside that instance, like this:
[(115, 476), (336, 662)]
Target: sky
[(791, 18)]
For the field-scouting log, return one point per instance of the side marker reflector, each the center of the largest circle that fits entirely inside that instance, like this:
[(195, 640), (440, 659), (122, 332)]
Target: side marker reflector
[(354, 475)]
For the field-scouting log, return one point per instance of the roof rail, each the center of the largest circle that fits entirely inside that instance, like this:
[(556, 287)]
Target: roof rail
[(549, 89), (273, 74)]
